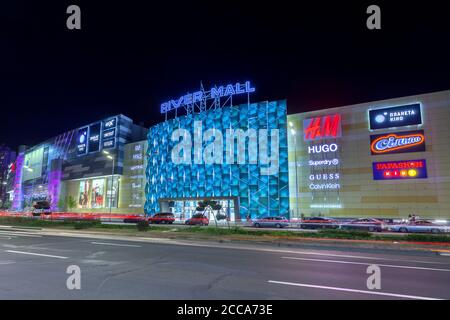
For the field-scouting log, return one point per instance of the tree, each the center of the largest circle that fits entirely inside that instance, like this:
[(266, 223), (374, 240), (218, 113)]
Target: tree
[(71, 202), (66, 203), (212, 206), (7, 204), (62, 204)]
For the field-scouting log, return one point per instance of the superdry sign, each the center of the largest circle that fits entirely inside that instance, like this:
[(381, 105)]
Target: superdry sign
[(399, 116), (322, 127), (398, 142), (410, 169)]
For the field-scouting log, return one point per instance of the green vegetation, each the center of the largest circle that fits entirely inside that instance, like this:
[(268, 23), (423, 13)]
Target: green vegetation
[(71, 202), (427, 238), (345, 234), (324, 233), (62, 204), (214, 208), (67, 203), (248, 233), (6, 205), (78, 225), (142, 225), (39, 223)]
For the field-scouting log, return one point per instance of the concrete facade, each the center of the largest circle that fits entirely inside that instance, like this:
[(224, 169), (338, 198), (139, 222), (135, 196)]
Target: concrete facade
[(358, 193)]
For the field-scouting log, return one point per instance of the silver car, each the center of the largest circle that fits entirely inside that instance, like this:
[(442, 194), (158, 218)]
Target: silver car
[(421, 226), (271, 222)]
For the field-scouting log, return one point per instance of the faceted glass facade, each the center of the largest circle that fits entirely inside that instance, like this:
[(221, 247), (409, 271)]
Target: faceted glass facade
[(258, 195)]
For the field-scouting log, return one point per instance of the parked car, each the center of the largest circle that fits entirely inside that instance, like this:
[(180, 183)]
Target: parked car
[(41, 207), (368, 224), (132, 219), (319, 223), (198, 219), (162, 218), (420, 226), (271, 222)]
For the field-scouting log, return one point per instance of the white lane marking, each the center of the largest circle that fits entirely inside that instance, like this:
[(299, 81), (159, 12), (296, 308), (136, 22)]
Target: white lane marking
[(445, 254), (7, 262), (224, 246), (354, 290), (155, 239), (217, 245), (19, 228), (174, 242), (362, 257), (20, 234), (36, 254), (367, 264), (117, 244), (18, 231)]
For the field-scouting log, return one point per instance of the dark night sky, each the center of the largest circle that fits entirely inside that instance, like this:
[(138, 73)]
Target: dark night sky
[(130, 57)]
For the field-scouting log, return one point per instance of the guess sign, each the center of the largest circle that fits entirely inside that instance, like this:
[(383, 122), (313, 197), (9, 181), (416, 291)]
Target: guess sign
[(398, 142), (322, 127)]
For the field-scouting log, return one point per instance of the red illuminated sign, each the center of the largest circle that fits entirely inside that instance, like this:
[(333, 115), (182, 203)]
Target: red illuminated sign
[(412, 169), (322, 127)]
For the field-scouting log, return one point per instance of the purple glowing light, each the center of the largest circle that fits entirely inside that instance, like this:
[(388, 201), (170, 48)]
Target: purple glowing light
[(18, 195)]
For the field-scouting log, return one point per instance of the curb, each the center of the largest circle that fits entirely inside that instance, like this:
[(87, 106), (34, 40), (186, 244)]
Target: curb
[(19, 227)]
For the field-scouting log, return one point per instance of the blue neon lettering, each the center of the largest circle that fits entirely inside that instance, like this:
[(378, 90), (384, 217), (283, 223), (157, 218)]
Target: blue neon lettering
[(248, 87), (238, 89), (229, 91), (187, 99), (177, 103), (165, 107), (392, 142), (197, 96), (217, 92)]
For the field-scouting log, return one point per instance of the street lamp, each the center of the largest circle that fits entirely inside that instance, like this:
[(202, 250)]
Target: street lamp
[(110, 157), (294, 134)]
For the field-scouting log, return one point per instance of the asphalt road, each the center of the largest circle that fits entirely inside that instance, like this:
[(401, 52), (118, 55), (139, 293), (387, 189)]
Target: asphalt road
[(33, 265)]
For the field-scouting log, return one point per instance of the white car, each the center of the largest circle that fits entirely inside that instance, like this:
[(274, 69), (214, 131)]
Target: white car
[(421, 226)]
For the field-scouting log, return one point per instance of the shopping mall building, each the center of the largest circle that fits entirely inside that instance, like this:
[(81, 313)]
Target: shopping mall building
[(386, 158), (97, 167)]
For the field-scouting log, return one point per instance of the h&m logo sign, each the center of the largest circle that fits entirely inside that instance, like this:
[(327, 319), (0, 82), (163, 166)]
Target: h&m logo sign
[(322, 127)]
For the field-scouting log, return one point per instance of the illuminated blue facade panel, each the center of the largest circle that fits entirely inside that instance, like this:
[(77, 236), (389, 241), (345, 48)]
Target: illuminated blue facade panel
[(259, 195)]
